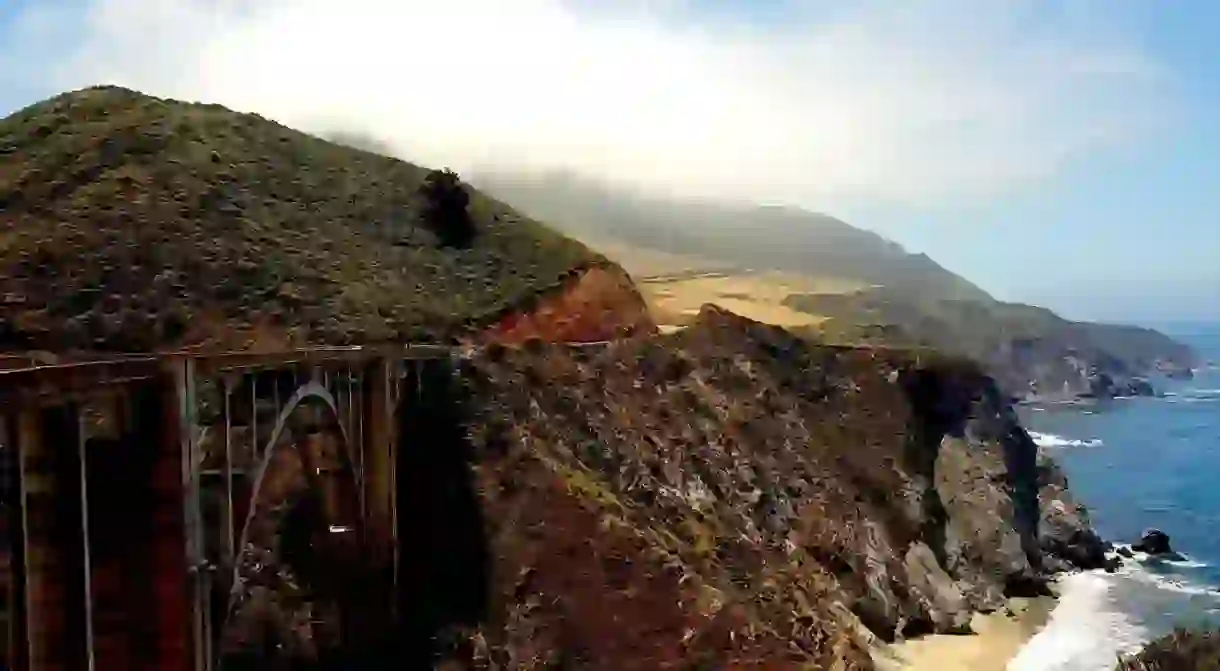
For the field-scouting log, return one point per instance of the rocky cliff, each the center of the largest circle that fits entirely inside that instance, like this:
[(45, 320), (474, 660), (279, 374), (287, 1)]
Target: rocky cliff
[(597, 304), (731, 496), (1029, 350)]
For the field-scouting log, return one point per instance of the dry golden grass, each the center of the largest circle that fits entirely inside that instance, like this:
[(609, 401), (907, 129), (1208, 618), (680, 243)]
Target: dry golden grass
[(676, 286), (758, 296), (642, 263)]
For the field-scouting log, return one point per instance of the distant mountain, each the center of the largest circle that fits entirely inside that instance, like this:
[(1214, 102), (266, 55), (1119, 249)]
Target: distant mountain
[(1027, 348), (753, 237), (911, 301)]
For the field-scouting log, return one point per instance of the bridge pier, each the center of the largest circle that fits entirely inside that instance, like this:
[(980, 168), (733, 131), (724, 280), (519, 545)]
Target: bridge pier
[(124, 488), (95, 551)]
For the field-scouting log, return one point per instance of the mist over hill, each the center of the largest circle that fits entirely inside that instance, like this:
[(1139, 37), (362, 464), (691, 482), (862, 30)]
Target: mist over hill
[(752, 237), (908, 299)]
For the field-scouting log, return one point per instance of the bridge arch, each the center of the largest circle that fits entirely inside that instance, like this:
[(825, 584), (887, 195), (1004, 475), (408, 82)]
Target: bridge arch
[(311, 391), (302, 531)]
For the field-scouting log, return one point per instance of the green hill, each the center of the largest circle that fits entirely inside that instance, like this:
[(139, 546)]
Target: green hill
[(913, 301), (132, 222), (1019, 343), (752, 237)]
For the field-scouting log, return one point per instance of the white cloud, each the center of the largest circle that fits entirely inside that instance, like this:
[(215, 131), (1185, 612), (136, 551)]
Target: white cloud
[(924, 103)]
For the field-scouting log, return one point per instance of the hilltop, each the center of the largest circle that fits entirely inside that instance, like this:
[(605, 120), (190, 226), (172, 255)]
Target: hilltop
[(134, 223), (863, 287)]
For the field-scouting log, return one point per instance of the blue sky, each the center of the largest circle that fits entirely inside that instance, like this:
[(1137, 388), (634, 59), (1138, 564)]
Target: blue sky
[(1055, 152)]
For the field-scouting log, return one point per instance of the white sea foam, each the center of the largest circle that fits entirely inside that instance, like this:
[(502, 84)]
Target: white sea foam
[(1187, 562), (1050, 440), (1193, 399), (1136, 571), (1086, 631), (1093, 623)]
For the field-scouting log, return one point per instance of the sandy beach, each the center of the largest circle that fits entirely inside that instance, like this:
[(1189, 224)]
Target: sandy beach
[(997, 639)]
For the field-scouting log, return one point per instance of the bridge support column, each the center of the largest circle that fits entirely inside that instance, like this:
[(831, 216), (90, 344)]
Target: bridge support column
[(165, 599), (380, 490), (13, 648), (182, 429), (57, 607)]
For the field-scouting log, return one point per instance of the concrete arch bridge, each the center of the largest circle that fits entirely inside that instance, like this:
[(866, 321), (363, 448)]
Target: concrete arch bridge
[(200, 512)]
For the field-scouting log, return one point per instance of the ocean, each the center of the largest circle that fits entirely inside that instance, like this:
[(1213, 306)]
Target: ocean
[(1137, 463)]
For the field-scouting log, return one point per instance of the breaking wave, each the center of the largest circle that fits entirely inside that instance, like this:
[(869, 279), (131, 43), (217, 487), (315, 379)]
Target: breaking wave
[(1050, 440)]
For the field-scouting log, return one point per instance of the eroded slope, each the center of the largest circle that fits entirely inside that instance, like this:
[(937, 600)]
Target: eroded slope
[(733, 497)]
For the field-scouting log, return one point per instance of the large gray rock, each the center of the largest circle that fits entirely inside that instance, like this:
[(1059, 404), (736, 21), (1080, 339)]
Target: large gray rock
[(1153, 542), (983, 537), (1065, 534), (944, 600), (981, 510)]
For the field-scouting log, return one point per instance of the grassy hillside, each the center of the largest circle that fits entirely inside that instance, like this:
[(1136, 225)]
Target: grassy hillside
[(899, 298), (1017, 342), (755, 237), (131, 222)]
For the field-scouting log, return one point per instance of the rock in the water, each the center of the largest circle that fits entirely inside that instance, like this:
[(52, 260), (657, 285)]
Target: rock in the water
[(1125, 551), (1182, 373), (1153, 542), (1065, 533), (1113, 563), (1140, 387)]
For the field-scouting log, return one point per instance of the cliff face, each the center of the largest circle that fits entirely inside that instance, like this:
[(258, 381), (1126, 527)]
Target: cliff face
[(733, 496), (1026, 348), (598, 304)]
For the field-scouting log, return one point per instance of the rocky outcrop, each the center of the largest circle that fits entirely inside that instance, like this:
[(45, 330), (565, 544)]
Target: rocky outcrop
[(1105, 385), (599, 304), (1181, 650), (1154, 542), (1065, 533), (732, 496)]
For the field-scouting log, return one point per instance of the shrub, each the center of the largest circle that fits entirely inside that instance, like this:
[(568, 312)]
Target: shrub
[(1180, 651), (443, 207)]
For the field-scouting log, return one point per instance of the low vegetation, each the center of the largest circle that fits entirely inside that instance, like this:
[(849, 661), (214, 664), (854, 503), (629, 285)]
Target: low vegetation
[(906, 299), (747, 236), (1017, 342), (1180, 651), (132, 223)]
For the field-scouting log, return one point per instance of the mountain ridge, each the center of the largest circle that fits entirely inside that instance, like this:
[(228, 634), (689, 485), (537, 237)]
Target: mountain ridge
[(905, 299), (767, 236)]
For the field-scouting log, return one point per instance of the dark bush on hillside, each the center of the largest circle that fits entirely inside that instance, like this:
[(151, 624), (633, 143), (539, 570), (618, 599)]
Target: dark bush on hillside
[(443, 207), (1180, 651)]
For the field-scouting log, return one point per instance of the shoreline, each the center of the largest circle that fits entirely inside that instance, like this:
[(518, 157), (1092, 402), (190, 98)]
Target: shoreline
[(997, 639)]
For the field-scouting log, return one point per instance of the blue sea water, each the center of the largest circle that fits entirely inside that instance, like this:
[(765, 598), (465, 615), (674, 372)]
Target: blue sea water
[(1137, 463)]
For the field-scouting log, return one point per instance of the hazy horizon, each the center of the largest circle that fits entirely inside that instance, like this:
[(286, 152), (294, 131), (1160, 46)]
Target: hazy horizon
[(1054, 153)]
